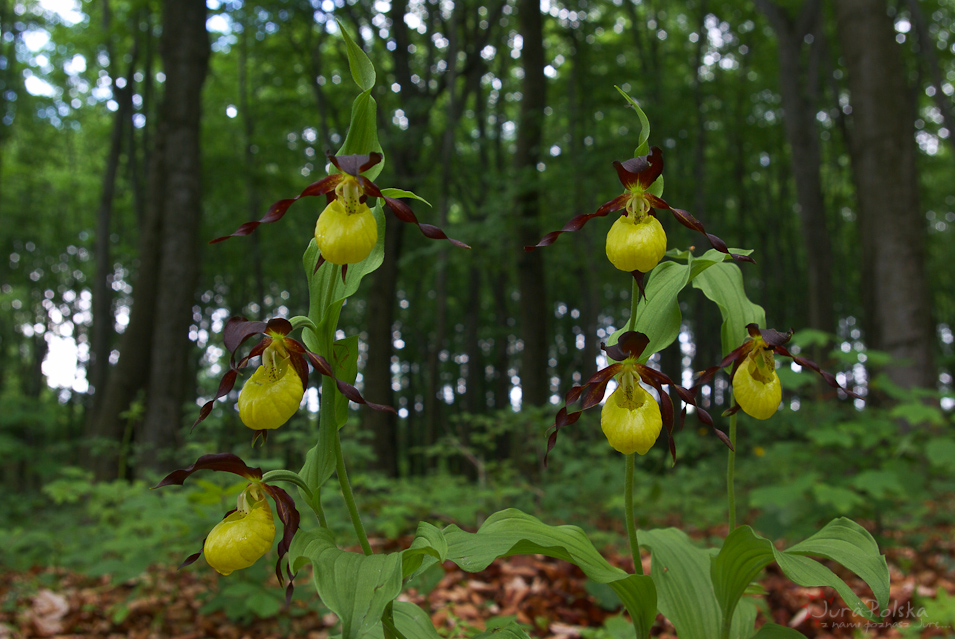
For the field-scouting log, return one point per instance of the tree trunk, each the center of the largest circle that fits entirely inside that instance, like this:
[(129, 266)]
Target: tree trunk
[(185, 53), (799, 106), (891, 221), (530, 265)]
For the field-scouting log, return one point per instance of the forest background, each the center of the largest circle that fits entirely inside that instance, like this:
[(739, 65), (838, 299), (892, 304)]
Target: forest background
[(132, 132)]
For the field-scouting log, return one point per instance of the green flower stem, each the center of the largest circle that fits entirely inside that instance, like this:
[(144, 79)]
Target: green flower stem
[(315, 503), (628, 515), (350, 497), (731, 475)]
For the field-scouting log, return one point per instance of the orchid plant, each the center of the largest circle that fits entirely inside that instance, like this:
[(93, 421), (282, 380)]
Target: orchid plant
[(698, 590)]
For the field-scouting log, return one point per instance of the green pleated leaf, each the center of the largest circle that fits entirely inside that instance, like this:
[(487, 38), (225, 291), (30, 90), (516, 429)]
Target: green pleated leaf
[(658, 315), (356, 588), (775, 631), (681, 573), (723, 284), (362, 70), (404, 620), (429, 547), (512, 532), (362, 136), (744, 554)]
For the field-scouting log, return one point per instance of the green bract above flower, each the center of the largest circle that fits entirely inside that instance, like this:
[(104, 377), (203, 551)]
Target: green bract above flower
[(636, 242), (756, 386), (274, 392), (346, 232), (631, 418), (246, 533)]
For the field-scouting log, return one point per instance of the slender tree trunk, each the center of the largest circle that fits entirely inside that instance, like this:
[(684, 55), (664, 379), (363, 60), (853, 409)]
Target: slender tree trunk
[(891, 221), (530, 265), (185, 53)]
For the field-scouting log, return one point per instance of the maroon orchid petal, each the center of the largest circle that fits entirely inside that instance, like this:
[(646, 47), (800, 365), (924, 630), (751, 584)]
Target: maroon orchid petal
[(225, 387), (666, 408), (238, 329), (323, 187), (640, 171), (690, 222), (320, 364), (811, 365), (594, 394), (771, 336), (279, 326), (318, 263), (724, 438), (603, 374), (298, 363), (563, 419), (224, 462), (638, 276), (191, 559), (354, 165), (578, 222), (633, 343), (257, 350), (290, 518)]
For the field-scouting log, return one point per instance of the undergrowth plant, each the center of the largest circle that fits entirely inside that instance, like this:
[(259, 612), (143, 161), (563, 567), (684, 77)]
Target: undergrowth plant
[(700, 590)]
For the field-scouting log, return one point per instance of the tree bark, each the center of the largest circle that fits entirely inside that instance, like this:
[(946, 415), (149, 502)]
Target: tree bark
[(891, 221), (185, 53), (530, 265)]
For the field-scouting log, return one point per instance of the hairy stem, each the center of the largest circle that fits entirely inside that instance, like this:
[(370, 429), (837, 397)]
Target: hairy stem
[(731, 475)]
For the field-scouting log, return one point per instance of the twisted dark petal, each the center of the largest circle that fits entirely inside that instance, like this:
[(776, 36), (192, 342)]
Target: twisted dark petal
[(277, 210), (594, 393), (290, 518), (690, 222), (578, 222), (226, 384), (224, 462), (404, 213), (736, 356), (344, 272), (808, 363), (238, 329), (640, 171), (320, 364), (666, 407), (279, 325), (563, 419), (298, 363), (732, 410), (257, 350), (318, 263), (724, 439)]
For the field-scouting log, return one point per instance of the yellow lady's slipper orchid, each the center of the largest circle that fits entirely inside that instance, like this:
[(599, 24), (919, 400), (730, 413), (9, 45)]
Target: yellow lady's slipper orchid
[(246, 533), (631, 418), (240, 540), (637, 242), (756, 385), (346, 231), (274, 392), (344, 237)]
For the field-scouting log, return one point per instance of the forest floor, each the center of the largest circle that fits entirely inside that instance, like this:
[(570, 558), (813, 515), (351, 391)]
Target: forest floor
[(547, 595)]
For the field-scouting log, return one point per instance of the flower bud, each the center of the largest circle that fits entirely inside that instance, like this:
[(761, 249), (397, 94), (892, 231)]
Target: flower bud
[(343, 237), (756, 385), (239, 540), (271, 396), (630, 418), (636, 245)]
